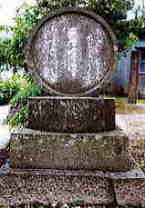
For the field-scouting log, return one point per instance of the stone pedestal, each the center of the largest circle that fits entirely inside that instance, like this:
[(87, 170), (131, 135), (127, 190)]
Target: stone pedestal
[(71, 114), (100, 151)]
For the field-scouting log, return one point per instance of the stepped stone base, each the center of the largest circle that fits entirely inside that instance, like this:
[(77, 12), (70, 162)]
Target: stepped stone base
[(49, 187), (101, 151), (71, 114)]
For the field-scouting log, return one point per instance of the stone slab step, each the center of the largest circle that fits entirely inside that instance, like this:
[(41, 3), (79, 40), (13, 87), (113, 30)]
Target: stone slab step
[(71, 114), (101, 151), (65, 186)]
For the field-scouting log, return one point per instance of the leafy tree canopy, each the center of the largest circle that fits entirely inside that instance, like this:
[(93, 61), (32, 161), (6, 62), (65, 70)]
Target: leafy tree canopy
[(113, 11), (12, 49), (27, 16), (109, 9), (137, 25)]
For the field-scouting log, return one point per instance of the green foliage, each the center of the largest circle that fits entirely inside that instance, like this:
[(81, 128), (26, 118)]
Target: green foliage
[(23, 87), (18, 119), (130, 42), (39, 205), (27, 89), (76, 203), (24, 21), (112, 8), (4, 52), (16, 89), (12, 50), (112, 11), (137, 26), (8, 88)]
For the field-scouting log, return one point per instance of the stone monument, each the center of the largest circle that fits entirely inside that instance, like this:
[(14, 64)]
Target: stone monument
[(71, 54), (70, 133)]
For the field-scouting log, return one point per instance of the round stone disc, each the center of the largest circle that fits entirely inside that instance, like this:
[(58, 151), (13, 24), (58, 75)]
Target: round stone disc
[(71, 53)]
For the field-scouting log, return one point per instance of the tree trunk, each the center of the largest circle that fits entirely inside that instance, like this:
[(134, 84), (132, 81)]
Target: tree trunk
[(134, 78)]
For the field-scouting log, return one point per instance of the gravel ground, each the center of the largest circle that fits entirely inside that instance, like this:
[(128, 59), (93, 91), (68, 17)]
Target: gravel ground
[(134, 126)]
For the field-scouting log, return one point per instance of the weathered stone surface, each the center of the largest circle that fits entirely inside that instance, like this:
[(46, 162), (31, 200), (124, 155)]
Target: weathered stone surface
[(104, 151), (71, 53), (71, 115), (28, 186), (4, 154), (135, 173), (130, 192)]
